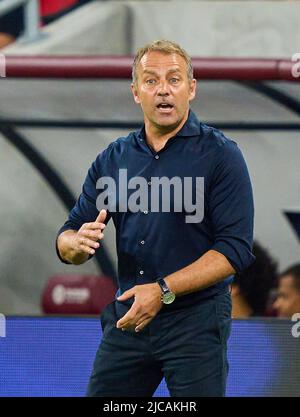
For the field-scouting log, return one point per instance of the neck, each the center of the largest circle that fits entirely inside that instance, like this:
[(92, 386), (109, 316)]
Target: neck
[(240, 308), (158, 136)]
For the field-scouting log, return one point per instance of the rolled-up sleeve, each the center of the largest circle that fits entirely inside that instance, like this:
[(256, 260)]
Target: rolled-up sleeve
[(231, 207), (85, 209)]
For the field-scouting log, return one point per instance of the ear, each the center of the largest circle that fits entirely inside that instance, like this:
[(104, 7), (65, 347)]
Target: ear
[(193, 86), (135, 93)]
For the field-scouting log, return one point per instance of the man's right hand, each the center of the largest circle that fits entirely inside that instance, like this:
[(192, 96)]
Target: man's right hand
[(76, 246), (86, 239)]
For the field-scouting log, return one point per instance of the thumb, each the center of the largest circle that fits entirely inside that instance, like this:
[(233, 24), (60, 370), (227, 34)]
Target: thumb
[(101, 216)]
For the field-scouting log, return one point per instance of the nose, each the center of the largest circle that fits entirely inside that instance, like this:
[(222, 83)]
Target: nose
[(163, 89)]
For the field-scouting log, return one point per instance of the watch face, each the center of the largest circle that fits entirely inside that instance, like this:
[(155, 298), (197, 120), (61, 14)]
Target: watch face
[(168, 298)]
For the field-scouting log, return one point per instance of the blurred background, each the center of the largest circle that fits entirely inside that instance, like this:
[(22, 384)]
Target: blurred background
[(52, 128)]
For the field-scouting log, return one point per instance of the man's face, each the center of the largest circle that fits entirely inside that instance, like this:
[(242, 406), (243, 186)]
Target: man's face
[(288, 299), (163, 90)]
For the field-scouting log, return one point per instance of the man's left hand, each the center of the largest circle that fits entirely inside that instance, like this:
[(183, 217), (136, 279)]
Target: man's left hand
[(147, 303)]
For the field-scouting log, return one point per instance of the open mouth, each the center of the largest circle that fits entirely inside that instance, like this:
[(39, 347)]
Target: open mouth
[(165, 107)]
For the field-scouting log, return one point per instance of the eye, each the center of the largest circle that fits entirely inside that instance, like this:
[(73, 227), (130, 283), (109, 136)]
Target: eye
[(150, 81), (174, 80)]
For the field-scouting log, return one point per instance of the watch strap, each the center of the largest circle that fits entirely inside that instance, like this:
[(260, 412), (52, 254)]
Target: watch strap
[(162, 283)]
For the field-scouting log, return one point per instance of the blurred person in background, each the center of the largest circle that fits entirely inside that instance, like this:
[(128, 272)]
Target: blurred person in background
[(251, 289), (287, 302), (12, 24), (172, 314)]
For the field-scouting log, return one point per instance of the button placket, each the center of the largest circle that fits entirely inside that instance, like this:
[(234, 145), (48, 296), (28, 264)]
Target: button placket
[(141, 238)]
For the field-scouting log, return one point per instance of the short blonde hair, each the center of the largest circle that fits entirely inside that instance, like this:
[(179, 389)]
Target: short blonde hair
[(165, 47)]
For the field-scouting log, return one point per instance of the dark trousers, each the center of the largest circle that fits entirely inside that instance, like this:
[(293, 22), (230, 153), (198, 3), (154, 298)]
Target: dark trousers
[(188, 347)]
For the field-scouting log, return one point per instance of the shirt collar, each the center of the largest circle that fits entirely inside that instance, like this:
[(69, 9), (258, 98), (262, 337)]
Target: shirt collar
[(190, 128)]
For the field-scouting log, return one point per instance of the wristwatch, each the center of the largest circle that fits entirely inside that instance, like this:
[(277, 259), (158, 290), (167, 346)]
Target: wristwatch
[(167, 296)]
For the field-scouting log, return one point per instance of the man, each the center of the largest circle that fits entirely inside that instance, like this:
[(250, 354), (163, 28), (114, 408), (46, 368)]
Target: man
[(173, 312), (11, 26), (288, 296), (12, 23)]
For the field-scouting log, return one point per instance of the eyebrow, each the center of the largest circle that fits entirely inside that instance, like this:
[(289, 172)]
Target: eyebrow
[(149, 72), (171, 71)]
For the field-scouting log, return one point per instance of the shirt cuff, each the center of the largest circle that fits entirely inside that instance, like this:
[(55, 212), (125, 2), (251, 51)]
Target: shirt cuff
[(57, 251), (238, 256)]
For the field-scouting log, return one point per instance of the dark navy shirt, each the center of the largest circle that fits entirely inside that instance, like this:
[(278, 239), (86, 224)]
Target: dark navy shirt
[(152, 244)]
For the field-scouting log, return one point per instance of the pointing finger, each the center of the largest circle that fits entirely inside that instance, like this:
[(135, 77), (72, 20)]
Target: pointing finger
[(101, 216), (127, 294)]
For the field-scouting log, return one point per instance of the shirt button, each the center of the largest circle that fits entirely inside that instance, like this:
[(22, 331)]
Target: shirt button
[(156, 157), (149, 183), (142, 242), (145, 211), (141, 140), (141, 272)]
